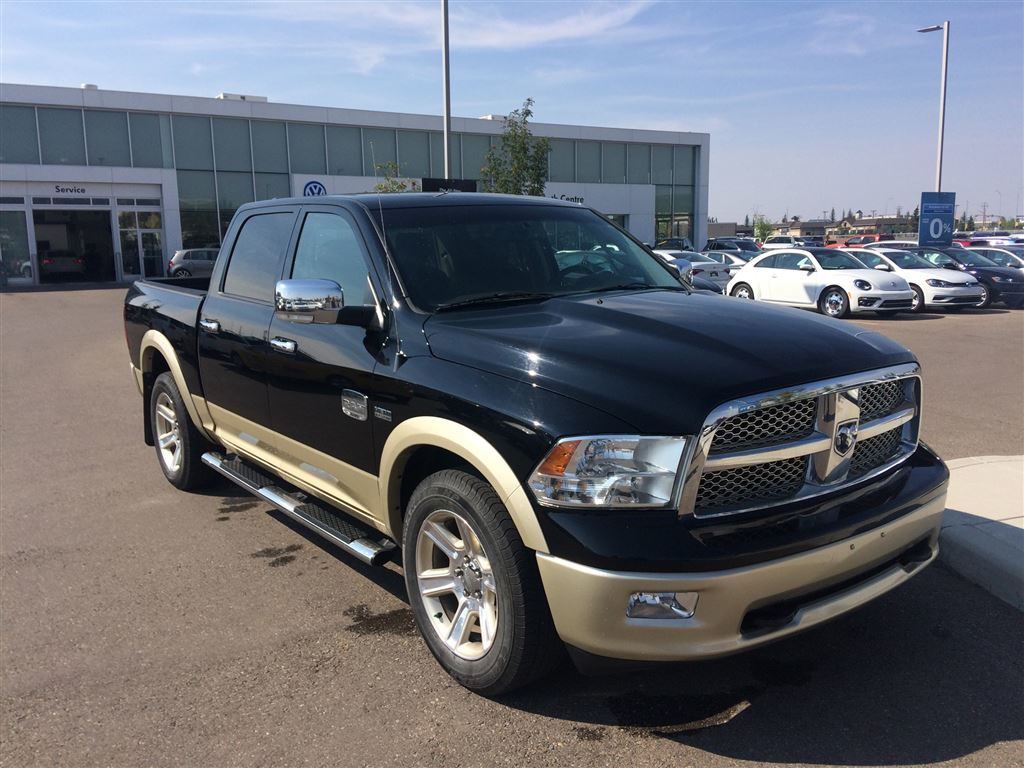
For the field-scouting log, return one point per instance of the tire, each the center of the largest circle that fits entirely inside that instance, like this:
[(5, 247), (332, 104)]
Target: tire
[(498, 585), (183, 273), (986, 298), (181, 456), (917, 305), (742, 291), (834, 302)]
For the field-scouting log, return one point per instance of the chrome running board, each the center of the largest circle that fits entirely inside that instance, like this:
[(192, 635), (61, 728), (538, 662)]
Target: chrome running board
[(359, 540)]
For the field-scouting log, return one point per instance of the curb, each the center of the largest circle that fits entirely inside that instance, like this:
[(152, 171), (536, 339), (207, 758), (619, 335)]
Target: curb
[(983, 526)]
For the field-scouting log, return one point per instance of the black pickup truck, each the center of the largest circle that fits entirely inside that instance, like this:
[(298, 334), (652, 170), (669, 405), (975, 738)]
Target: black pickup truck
[(563, 445)]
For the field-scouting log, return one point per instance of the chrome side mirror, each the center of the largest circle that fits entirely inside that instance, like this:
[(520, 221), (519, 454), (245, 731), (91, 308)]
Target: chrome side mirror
[(308, 301), (883, 268), (807, 268)]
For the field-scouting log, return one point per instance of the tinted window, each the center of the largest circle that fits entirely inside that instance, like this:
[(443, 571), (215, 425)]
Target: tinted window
[(330, 249), (791, 260), (767, 261), (869, 259), (837, 260), (998, 257), (258, 255)]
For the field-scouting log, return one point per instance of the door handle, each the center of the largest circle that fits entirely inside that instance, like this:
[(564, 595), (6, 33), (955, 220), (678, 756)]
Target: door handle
[(211, 326), (284, 345)]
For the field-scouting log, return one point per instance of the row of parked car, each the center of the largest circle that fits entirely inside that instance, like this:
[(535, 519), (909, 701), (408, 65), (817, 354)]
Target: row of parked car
[(883, 276)]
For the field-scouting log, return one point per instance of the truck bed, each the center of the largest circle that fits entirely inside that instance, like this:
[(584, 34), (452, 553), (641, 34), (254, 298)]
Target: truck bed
[(171, 306)]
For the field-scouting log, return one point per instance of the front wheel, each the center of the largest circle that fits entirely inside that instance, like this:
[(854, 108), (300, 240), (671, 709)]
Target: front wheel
[(179, 446), (743, 291), (986, 298), (917, 303), (474, 588), (834, 302)]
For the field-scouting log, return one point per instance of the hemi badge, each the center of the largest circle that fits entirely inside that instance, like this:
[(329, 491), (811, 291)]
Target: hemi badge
[(381, 413)]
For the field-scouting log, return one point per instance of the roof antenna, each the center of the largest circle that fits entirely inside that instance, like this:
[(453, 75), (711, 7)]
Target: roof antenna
[(383, 231)]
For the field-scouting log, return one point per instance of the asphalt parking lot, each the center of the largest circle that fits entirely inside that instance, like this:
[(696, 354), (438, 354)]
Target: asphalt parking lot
[(144, 626)]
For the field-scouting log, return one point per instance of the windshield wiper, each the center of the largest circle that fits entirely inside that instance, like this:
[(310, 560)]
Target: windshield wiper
[(494, 298), (635, 286)]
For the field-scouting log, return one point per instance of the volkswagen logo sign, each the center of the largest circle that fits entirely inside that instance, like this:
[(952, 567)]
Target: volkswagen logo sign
[(314, 189), (846, 437)]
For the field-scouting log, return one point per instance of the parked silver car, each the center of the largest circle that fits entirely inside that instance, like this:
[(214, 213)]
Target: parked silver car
[(193, 262)]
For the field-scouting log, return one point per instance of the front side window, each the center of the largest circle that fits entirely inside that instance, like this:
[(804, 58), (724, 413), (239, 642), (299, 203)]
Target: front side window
[(258, 256), (447, 255), (330, 249), (791, 261), (837, 260), (869, 259)]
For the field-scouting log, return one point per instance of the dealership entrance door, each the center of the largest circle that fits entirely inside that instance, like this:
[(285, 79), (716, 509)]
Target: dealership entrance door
[(74, 246)]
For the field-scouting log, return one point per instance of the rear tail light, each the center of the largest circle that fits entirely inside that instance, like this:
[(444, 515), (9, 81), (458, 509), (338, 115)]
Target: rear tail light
[(47, 261), (79, 261)]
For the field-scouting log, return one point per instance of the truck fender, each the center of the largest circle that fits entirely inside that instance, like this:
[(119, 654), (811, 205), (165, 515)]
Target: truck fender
[(196, 406), (469, 445)]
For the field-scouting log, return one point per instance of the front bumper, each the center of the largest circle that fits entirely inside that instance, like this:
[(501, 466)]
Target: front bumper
[(743, 607), (881, 301)]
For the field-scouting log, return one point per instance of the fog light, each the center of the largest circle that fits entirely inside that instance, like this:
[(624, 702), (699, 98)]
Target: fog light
[(662, 605)]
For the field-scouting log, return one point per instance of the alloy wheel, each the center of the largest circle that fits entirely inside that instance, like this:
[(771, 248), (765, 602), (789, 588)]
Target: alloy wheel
[(168, 435), (456, 584)]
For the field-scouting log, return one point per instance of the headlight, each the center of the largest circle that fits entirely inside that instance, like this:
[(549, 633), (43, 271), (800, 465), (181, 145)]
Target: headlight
[(610, 471), (940, 284), (864, 285)]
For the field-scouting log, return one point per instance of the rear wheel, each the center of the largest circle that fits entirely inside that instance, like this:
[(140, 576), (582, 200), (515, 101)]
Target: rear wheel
[(183, 273), (834, 302), (743, 291), (474, 588), (179, 446), (917, 303)]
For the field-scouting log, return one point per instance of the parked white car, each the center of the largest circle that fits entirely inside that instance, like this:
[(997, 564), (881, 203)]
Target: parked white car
[(933, 288), (701, 266), (826, 279), (781, 241)]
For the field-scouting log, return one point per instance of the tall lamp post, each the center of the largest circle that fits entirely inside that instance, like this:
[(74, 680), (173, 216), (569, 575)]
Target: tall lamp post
[(447, 92), (944, 27)]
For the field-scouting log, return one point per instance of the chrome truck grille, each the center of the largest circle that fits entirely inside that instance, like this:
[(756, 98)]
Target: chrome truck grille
[(802, 442)]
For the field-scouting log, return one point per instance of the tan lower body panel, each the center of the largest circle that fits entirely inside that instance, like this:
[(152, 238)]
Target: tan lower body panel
[(589, 604), (352, 489)]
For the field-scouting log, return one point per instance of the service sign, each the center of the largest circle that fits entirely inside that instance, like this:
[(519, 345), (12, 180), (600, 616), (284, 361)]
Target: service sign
[(936, 225)]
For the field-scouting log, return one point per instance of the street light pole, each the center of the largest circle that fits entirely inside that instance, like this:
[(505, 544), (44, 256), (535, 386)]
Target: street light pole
[(447, 92), (942, 96)]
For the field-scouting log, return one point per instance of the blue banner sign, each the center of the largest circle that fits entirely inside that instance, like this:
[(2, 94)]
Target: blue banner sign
[(936, 224)]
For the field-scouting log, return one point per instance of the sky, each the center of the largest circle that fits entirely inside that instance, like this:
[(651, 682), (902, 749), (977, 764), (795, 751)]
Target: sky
[(810, 105)]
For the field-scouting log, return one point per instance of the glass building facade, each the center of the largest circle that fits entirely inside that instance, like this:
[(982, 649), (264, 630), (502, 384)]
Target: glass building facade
[(222, 162)]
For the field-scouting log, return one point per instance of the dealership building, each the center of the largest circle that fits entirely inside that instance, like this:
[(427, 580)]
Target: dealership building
[(100, 185)]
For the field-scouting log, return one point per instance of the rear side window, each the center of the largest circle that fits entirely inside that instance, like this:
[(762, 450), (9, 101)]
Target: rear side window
[(768, 262), (258, 256), (330, 249)]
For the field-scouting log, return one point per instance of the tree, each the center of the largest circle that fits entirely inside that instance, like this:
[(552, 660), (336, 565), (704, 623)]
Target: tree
[(832, 216), (795, 219), (785, 218), (762, 227), (518, 165), (746, 220), (391, 181), (970, 223)]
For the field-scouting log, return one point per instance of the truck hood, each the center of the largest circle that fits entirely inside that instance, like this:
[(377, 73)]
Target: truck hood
[(659, 360)]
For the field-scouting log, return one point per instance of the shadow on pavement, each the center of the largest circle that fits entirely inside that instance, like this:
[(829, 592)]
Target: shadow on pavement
[(932, 672)]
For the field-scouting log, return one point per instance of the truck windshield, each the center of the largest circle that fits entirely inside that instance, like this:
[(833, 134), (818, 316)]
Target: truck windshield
[(463, 255)]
